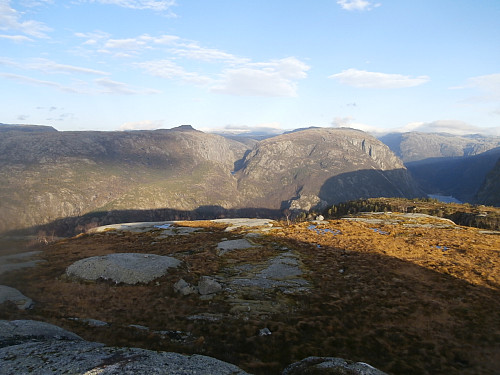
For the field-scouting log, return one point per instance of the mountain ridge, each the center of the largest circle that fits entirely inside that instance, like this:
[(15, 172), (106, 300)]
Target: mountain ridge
[(52, 175)]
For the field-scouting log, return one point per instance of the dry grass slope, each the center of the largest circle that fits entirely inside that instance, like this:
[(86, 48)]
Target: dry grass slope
[(411, 297)]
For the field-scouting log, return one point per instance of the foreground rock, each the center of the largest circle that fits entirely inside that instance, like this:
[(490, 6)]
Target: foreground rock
[(41, 348), (13, 295), (330, 366), (128, 268), (28, 346)]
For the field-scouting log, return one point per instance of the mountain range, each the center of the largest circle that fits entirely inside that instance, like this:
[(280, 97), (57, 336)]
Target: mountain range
[(48, 175), (90, 178)]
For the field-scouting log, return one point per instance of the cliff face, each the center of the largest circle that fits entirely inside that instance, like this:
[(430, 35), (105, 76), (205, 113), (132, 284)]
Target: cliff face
[(415, 146), (320, 166), (46, 176), (489, 192)]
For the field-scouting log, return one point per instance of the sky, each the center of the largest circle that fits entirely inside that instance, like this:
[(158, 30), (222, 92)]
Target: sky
[(241, 65)]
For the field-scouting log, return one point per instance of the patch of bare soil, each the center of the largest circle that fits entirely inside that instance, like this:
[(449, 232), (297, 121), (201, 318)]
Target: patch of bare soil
[(408, 296)]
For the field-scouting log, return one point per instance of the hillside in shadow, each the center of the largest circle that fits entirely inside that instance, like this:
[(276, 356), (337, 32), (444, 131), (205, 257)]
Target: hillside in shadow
[(460, 177), (369, 183)]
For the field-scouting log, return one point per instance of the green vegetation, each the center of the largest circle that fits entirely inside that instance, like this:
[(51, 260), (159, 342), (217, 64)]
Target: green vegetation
[(462, 214)]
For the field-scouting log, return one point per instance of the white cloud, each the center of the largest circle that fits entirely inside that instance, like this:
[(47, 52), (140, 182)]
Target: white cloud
[(170, 70), (196, 52), (154, 5), (128, 47), (48, 66), (357, 4), (342, 122), (275, 78), (364, 79), (16, 38), (10, 20), (489, 84), (114, 87), (141, 125), (38, 82)]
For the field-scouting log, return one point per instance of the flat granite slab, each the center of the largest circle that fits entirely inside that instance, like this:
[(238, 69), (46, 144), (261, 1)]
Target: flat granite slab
[(128, 268)]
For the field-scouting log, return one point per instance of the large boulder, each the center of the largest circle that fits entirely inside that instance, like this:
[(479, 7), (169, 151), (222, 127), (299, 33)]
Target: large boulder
[(50, 349), (13, 295), (128, 268)]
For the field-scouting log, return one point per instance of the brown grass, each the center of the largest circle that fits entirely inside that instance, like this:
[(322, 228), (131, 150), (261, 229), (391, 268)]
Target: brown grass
[(395, 301)]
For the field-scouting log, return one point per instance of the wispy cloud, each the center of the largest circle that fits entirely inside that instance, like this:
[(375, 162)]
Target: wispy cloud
[(16, 38), (357, 4), (274, 78), (114, 87), (170, 70), (161, 6), (489, 84), (196, 52), (38, 82), (449, 126), (364, 79), (48, 66), (11, 20)]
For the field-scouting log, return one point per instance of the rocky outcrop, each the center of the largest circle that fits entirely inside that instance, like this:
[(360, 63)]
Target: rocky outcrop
[(8, 294), (330, 366), (40, 348), (128, 268)]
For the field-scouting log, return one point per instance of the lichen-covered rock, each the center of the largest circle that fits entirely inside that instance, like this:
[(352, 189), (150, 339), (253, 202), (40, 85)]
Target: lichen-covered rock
[(18, 331), (330, 366), (230, 245), (128, 268), (208, 285), (13, 295), (48, 349), (184, 288)]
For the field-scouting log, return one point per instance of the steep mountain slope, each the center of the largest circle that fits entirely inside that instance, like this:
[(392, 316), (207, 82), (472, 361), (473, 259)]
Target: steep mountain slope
[(460, 177), (489, 192), (49, 175), (313, 167), (414, 146)]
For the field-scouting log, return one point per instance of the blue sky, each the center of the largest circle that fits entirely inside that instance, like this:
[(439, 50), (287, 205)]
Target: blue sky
[(388, 65)]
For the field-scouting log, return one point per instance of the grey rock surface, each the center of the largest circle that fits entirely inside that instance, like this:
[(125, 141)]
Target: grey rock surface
[(128, 268), (139, 227), (19, 261), (230, 245), (282, 271), (208, 285), (52, 353), (16, 331), (13, 295), (243, 222), (184, 288), (330, 366)]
